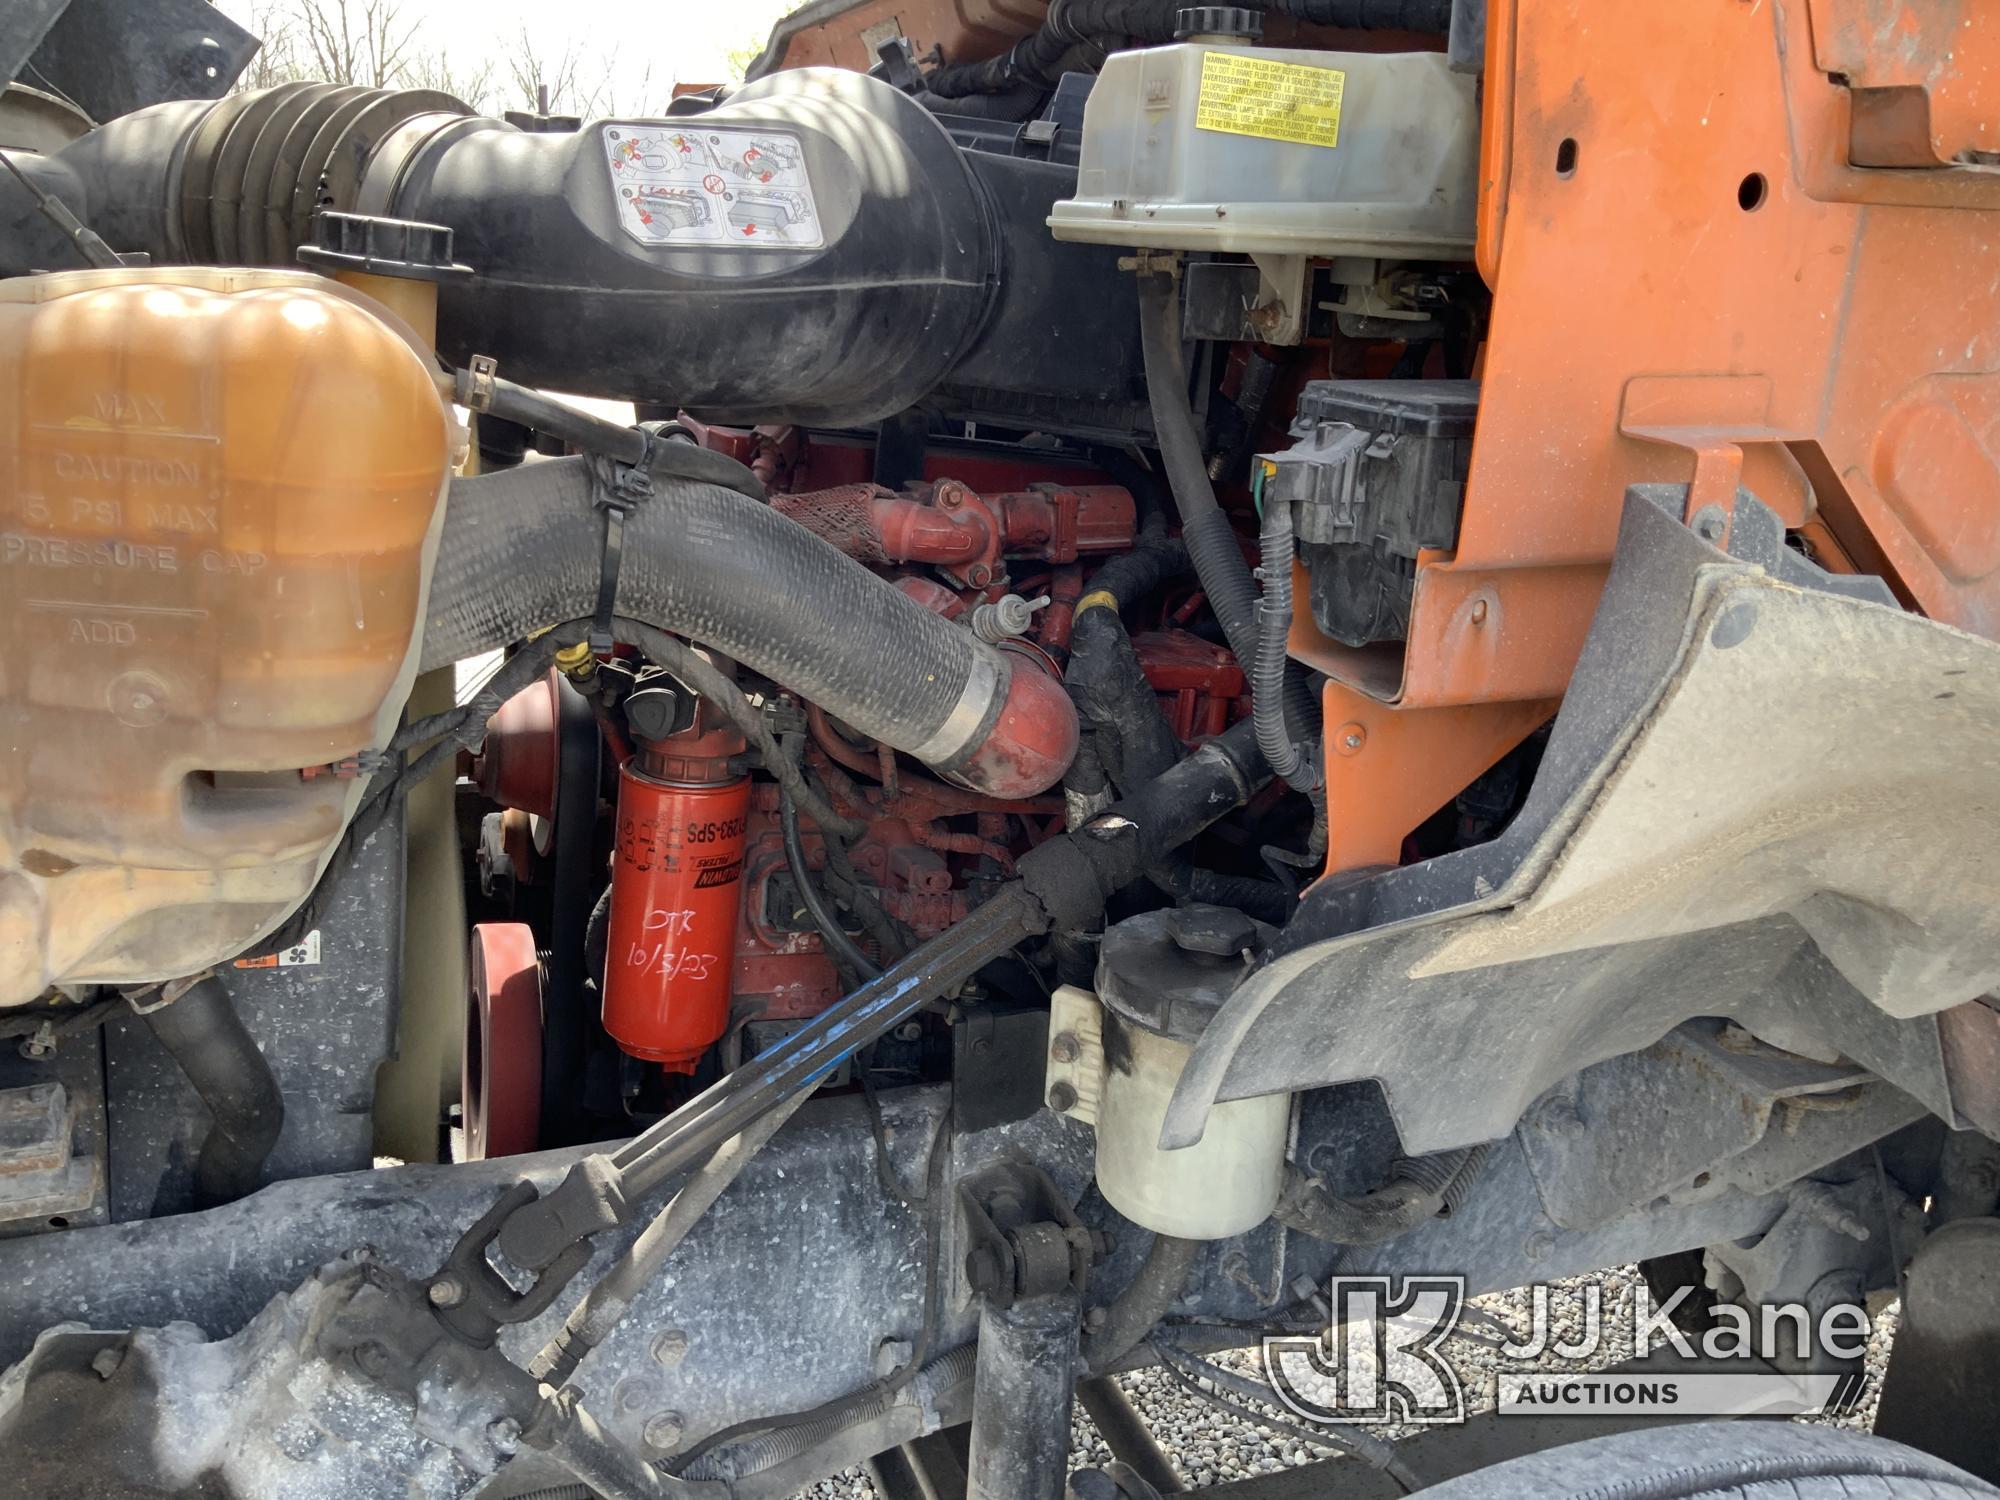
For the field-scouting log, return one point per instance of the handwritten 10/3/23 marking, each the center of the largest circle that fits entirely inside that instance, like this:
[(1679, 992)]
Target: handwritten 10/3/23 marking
[(660, 956)]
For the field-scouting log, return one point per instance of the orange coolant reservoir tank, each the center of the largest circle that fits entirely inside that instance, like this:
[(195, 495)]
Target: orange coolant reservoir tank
[(220, 496)]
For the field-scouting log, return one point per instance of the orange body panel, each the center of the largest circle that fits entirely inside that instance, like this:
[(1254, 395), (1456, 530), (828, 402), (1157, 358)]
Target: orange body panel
[(1712, 276), (961, 29), (1384, 766), (1694, 282)]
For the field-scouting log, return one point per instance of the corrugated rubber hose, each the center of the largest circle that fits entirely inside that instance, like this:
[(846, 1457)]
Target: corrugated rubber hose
[(522, 549), (1294, 763)]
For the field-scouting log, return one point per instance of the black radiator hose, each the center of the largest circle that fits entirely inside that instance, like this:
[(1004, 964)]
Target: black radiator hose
[(1130, 739), (202, 1032), (523, 549)]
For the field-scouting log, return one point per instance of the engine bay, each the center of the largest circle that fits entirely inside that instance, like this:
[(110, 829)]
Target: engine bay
[(1015, 688)]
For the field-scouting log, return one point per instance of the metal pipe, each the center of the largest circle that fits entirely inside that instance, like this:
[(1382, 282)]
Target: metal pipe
[(539, 1231), (203, 1033)]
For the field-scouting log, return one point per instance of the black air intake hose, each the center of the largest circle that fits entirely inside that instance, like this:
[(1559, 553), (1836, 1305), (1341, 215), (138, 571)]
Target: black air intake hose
[(838, 259), (522, 550)]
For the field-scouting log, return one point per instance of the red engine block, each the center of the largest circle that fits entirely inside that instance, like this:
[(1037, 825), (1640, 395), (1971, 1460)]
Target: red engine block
[(946, 544)]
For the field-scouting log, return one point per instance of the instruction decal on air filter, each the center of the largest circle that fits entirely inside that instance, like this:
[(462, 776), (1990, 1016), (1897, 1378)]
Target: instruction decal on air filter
[(712, 188), (1277, 101)]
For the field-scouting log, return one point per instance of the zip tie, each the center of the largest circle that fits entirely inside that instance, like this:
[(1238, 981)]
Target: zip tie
[(620, 489)]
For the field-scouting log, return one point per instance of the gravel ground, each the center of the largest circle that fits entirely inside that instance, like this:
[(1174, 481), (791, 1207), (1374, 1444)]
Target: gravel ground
[(1212, 1447)]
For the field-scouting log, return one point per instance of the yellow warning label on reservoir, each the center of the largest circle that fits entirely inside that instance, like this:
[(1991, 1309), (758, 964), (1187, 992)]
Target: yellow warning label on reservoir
[(1276, 100)]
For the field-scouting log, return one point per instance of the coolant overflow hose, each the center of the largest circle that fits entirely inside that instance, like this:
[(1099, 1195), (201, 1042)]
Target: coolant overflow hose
[(522, 550)]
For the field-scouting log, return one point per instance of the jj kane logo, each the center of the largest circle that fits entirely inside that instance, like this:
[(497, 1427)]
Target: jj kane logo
[(1387, 1356)]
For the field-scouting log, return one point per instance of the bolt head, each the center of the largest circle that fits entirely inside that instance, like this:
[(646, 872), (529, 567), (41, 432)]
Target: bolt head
[(1062, 1097), (1065, 1048), (1479, 611), (670, 1346), (504, 1433), (662, 1432)]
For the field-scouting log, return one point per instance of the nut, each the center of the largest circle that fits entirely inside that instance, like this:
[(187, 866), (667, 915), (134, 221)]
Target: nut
[(982, 1270), (446, 1291)]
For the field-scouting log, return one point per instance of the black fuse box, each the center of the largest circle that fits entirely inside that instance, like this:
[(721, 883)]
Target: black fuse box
[(1378, 474)]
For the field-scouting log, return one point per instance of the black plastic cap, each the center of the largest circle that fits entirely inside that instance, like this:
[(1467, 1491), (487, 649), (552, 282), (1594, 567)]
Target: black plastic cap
[(381, 247), (1219, 20)]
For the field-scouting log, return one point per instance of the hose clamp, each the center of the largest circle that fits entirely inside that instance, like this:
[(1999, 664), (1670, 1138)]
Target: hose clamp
[(482, 371), (972, 712)]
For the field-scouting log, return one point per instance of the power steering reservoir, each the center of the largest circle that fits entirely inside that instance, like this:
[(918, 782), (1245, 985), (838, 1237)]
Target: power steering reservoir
[(1161, 977), (219, 496)]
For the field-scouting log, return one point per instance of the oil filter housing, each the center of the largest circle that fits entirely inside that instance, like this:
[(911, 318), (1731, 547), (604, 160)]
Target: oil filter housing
[(676, 890), (222, 492)]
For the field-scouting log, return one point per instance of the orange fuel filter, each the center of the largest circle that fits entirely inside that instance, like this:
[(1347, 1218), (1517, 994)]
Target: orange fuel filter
[(676, 875)]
